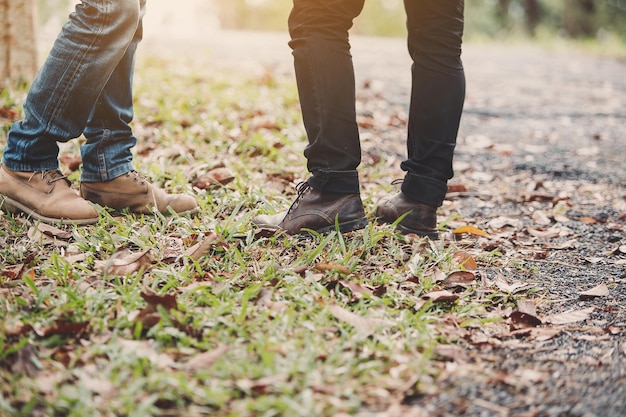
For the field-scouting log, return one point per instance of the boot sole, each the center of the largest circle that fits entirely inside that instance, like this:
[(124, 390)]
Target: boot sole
[(420, 233), (407, 231), (15, 207), (346, 226)]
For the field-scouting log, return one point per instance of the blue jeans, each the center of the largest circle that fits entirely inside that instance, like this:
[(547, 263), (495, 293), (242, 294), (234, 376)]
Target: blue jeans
[(326, 86), (84, 87)]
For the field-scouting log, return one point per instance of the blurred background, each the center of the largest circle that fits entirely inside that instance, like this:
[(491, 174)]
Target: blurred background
[(597, 21)]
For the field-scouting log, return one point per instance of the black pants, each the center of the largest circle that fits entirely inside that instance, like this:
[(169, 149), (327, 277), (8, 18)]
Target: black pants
[(326, 86)]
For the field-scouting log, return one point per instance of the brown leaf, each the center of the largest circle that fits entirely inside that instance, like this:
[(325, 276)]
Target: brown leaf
[(540, 217), (63, 328), (9, 114), (501, 222), (25, 362), (125, 262), (364, 325), (436, 274), (459, 279), (357, 289), (13, 272), (204, 247), (265, 299), (598, 291), (464, 260), (261, 386), (144, 349), (457, 188), (42, 235), (205, 360), (568, 317), (452, 353), (442, 296), (167, 301), (330, 266), (521, 320), (92, 378), (502, 283), (527, 306), (53, 231), (16, 328), (216, 176)]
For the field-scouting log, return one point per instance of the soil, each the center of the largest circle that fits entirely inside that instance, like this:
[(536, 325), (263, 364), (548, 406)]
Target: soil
[(543, 132)]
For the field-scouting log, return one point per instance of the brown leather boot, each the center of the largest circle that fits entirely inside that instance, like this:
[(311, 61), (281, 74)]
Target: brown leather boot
[(316, 210), (136, 194), (45, 196), (420, 220)]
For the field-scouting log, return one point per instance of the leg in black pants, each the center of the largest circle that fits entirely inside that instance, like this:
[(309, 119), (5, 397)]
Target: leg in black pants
[(326, 86)]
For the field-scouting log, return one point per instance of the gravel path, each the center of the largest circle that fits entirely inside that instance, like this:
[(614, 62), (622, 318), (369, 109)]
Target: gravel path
[(538, 124)]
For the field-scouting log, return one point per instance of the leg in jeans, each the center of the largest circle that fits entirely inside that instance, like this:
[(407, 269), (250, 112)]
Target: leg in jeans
[(86, 53), (435, 29), (107, 152), (326, 86), (83, 87)]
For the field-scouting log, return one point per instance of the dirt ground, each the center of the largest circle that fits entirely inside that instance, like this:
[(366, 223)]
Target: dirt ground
[(541, 160)]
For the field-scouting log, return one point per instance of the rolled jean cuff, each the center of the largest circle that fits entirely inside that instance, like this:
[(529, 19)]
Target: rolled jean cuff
[(424, 190), (340, 182), (23, 166)]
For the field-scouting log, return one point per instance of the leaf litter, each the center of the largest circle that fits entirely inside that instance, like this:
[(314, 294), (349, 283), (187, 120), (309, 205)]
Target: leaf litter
[(491, 309)]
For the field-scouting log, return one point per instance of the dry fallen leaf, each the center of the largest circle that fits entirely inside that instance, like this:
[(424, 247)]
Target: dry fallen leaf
[(459, 279), (205, 360), (25, 363), (521, 320), (598, 291), (216, 176), (167, 301), (145, 349), (502, 283), (331, 266), (469, 230), (204, 247), (357, 289), (465, 260), (363, 325), (453, 353), (568, 317), (125, 262), (92, 378), (442, 296)]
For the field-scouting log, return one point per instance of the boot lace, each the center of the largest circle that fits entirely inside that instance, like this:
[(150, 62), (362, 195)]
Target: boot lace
[(50, 176), (301, 188), (138, 177)]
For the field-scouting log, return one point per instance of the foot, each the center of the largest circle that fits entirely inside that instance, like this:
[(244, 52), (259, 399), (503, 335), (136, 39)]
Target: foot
[(136, 194), (316, 210), (45, 196), (420, 220)]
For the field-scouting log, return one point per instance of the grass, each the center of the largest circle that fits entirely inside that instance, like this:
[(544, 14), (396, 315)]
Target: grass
[(275, 326)]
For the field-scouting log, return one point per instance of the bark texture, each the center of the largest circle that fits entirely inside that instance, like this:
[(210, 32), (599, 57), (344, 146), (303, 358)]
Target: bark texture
[(18, 46)]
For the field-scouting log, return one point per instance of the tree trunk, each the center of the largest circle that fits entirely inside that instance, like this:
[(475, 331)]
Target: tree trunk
[(18, 46), (533, 15)]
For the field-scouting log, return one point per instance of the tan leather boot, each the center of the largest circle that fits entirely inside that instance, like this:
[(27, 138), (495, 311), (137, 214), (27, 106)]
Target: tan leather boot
[(45, 196), (316, 210), (136, 194)]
